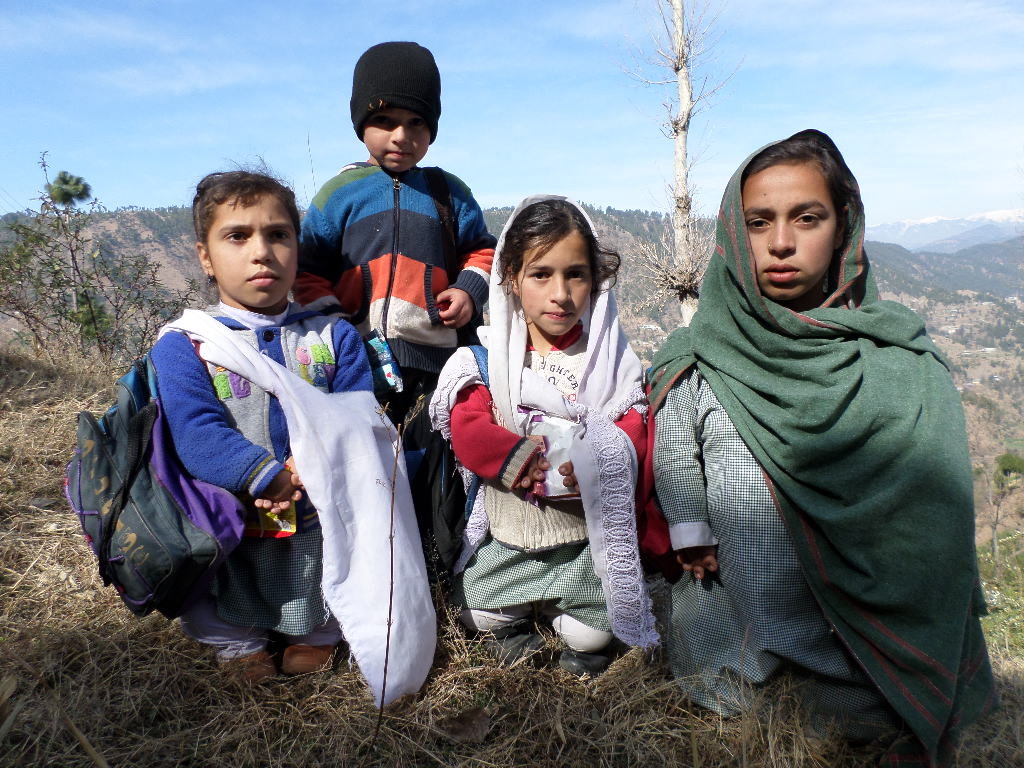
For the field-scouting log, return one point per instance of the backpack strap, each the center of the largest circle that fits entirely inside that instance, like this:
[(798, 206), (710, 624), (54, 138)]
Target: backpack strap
[(442, 194), (151, 381), (135, 444), (480, 353)]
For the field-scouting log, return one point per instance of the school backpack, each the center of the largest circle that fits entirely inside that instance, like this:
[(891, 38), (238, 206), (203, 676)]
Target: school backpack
[(158, 533), (480, 354), (442, 506)]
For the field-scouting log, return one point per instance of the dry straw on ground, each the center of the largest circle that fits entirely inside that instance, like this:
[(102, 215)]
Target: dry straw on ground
[(84, 683)]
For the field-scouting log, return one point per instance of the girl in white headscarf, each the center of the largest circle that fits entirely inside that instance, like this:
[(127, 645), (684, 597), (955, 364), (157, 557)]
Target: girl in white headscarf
[(550, 538)]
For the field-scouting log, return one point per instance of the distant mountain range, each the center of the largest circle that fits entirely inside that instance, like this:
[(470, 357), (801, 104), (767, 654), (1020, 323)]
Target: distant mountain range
[(939, 235), (994, 267)]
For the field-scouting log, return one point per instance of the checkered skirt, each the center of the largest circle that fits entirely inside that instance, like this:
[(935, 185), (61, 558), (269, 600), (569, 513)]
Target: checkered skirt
[(757, 613), (499, 577), (273, 584)]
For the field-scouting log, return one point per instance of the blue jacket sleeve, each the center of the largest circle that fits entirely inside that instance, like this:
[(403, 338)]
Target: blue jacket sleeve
[(320, 265), (319, 242), (210, 448), (352, 373)]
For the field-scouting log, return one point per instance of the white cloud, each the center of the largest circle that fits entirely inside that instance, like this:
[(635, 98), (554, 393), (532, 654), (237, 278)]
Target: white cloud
[(71, 31), (183, 76)]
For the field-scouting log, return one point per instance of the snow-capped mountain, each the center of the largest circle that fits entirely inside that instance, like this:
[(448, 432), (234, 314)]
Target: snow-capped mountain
[(940, 235)]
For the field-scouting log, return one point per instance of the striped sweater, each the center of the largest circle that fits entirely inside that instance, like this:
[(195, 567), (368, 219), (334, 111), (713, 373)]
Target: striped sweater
[(374, 244)]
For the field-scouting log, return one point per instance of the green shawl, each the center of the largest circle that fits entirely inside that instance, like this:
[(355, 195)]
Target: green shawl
[(850, 410)]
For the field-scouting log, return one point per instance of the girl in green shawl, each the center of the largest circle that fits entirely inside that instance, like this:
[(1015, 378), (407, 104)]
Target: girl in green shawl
[(811, 463)]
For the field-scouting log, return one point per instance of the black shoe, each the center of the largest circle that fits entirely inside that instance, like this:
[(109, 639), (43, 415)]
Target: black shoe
[(582, 664), (513, 642)]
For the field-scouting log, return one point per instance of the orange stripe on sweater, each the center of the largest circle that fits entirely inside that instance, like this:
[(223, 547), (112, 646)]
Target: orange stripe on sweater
[(408, 282)]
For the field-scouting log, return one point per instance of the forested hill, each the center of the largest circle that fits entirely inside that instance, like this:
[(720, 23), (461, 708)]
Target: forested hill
[(969, 299), (991, 268), (989, 272), (164, 235), (995, 270)]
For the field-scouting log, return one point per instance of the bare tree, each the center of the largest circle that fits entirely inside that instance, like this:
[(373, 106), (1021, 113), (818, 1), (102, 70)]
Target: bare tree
[(1007, 478), (679, 48)]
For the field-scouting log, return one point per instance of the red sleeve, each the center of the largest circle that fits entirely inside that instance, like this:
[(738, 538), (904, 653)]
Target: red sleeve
[(652, 529), (490, 451), (633, 424)]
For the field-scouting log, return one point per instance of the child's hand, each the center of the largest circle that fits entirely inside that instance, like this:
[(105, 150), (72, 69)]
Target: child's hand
[(698, 560), (532, 480), (567, 472), (455, 307), (282, 491)]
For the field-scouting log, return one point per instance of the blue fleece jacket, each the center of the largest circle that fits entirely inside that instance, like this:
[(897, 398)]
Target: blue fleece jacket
[(228, 432)]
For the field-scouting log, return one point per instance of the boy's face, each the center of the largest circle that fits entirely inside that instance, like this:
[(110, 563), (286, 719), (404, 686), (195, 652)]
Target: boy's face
[(396, 138), (253, 253)]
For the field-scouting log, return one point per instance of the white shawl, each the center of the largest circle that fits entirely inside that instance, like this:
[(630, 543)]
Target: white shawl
[(604, 460), (347, 455)]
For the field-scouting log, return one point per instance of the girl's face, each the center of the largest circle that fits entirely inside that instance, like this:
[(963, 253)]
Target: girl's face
[(794, 231), (253, 253), (554, 289)]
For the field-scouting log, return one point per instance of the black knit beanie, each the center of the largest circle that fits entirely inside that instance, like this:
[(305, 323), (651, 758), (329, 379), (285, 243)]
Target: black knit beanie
[(396, 75)]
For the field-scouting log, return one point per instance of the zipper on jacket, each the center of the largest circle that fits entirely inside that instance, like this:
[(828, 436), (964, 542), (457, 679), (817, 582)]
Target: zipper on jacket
[(394, 260)]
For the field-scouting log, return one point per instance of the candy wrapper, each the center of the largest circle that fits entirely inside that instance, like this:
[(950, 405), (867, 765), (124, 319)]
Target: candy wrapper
[(555, 435), (265, 524), (387, 377)]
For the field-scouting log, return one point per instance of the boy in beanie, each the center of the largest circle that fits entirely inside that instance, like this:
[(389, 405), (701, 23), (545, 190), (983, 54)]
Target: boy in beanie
[(374, 244)]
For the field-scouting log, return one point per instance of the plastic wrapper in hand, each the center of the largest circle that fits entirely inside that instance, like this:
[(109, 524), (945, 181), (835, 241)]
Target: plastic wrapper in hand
[(555, 435)]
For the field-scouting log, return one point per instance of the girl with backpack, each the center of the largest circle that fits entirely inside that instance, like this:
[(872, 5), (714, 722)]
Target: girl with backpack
[(548, 423), (259, 393), (811, 462)]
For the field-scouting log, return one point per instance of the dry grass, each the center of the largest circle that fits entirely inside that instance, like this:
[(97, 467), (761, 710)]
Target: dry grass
[(84, 683)]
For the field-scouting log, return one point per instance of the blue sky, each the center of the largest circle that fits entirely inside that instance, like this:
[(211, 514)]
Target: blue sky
[(142, 98)]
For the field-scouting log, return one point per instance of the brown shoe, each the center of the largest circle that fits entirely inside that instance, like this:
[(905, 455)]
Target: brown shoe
[(251, 668), (302, 659)]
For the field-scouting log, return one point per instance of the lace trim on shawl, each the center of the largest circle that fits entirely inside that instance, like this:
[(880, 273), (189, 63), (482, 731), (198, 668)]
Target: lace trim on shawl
[(615, 540), (477, 525), (635, 399)]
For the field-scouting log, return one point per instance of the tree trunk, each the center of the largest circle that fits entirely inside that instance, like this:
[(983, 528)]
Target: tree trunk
[(995, 504), (682, 201)]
